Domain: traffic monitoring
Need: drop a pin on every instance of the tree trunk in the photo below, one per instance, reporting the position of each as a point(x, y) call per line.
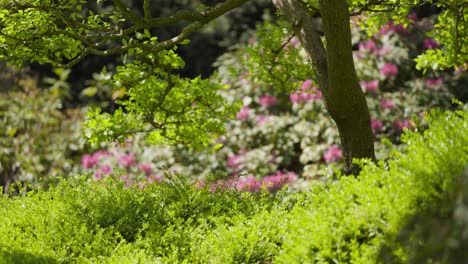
point(334, 66)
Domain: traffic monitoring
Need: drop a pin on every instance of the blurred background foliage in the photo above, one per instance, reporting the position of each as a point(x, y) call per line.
point(283, 126)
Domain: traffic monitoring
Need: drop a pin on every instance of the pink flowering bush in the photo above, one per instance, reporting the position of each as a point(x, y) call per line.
point(283, 128)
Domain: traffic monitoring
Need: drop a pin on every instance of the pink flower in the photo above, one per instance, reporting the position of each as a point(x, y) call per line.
point(263, 118)
point(316, 94)
point(429, 43)
point(399, 125)
point(389, 70)
point(88, 161)
point(221, 139)
point(153, 178)
point(368, 45)
point(243, 114)
point(249, 184)
point(413, 17)
point(307, 93)
point(306, 84)
point(101, 153)
point(294, 42)
point(391, 27)
point(126, 160)
point(295, 98)
point(145, 167)
point(370, 86)
point(268, 100)
point(97, 176)
point(234, 161)
point(106, 169)
point(332, 154)
point(376, 125)
point(275, 182)
point(387, 104)
point(383, 51)
point(434, 82)
point(462, 68)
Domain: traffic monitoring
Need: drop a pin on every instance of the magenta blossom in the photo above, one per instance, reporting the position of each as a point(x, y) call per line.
point(434, 82)
point(88, 161)
point(413, 17)
point(263, 118)
point(268, 100)
point(376, 125)
point(391, 27)
point(154, 178)
point(368, 45)
point(243, 114)
point(429, 43)
point(250, 184)
point(145, 167)
point(101, 153)
point(333, 153)
point(387, 104)
point(126, 160)
point(370, 86)
point(295, 98)
point(98, 176)
point(383, 51)
point(234, 161)
point(389, 70)
point(106, 169)
point(307, 93)
point(306, 84)
point(399, 125)
point(294, 42)
point(277, 181)
point(462, 68)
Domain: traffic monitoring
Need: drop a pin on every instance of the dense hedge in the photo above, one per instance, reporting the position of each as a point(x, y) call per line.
point(344, 221)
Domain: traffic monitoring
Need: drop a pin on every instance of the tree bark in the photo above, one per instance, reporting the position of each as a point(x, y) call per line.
point(334, 67)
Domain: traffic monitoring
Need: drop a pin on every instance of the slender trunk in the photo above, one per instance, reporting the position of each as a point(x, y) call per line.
point(334, 66)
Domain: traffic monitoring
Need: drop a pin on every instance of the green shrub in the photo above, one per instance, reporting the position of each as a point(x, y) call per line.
point(347, 222)
point(380, 213)
point(85, 221)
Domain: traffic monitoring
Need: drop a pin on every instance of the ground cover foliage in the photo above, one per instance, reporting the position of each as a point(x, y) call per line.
point(349, 220)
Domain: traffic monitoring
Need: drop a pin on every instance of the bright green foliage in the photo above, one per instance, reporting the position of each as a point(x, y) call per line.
point(274, 62)
point(36, 32)
point(166, 107)
point(346, 221)
point(451, 32)
point(154, 99)
point(88, 221)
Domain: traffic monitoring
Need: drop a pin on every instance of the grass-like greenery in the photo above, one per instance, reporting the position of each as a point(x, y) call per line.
point(350, 220)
